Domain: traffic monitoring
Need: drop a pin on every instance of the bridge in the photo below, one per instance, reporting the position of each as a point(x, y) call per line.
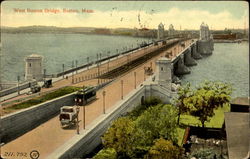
point(122, 78)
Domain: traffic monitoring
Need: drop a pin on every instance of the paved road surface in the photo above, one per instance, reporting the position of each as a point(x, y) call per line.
point(49, 136)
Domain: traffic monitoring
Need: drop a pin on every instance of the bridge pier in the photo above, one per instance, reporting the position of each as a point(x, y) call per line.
point(188, 60)
point(194, 52)
point(180, 68)
point(205, 47)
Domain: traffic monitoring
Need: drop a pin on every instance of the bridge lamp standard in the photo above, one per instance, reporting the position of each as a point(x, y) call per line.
point(108, 54)
point(87, 62)
point(83, 114)
point(103, 94)
point(63, 70)
point(144, 73)
point(135, 79)
point(18, 80)
point(121, 89)
point(77, 119)
point(76, 65)
point(72, 72)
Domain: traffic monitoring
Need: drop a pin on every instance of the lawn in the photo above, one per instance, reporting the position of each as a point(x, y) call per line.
point(180, 134)
point(52, 95)
point(216, 121)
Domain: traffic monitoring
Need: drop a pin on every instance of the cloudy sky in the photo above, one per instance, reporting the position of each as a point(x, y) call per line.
point(130, 14)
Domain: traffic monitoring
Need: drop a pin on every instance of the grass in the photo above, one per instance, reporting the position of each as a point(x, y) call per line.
point(58, 93)
point(180, 135)
point(216, 122)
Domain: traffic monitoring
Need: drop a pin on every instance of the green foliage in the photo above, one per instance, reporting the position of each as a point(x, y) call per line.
point(158, 121)
point(132, 138)
point(119, 136)
point(180, 101)
point(108, 153)
point(151, 101)
point(204, 100)
point(208, 97)
point(58, 93)
point(163, 149)
point(207, 153)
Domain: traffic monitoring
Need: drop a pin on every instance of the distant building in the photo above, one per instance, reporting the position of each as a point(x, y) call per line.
point(240, 104)
point(160, 33)
point(145, 32)
point(33, 68)
point(171, 31)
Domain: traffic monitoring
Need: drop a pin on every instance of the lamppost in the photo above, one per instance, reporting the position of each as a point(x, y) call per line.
point(121, 89)
point(117, 53)
point(144, 73)
point(76, 66)
point(77, 111)
point(72, 72)
point(84, 117)
point(103, 94)
point(108, 60)
point(98, 69)
point(63, 70)
point(44, 75)
point(135, 79)
point(18, 79)
point(88, 62)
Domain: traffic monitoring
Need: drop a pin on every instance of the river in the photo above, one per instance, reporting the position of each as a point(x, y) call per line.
point(58, 49)
point(228, 63)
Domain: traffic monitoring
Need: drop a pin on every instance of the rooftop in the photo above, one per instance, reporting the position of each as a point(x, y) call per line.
point(241, 101)
point(237, 128)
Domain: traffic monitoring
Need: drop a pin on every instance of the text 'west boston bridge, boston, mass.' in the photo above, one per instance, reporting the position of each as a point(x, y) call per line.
point(52, 10)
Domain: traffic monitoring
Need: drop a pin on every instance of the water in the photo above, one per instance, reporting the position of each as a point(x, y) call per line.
point(57, 49)
point(228, 63)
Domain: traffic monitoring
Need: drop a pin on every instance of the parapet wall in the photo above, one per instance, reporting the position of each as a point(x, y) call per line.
point(89, 139)
point(16, 124)
point(15, 89)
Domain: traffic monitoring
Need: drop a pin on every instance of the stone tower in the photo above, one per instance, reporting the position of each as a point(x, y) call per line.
point(171, 30)
point(164, 72)
point(160, 32)
point(34, 67)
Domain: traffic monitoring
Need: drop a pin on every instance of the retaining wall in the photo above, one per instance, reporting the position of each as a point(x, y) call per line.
point(14, 89)
point(90, 138)
point(16, 124)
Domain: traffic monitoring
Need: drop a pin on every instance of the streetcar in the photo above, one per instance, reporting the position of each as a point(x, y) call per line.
point(85, 95)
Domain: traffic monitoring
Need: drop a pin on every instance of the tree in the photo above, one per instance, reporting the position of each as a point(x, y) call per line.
point(119, 136)
point(182, 94)
point(208, 97)
point(106, 153)
point(156, 122)
point(151, 101)
point(163, 149)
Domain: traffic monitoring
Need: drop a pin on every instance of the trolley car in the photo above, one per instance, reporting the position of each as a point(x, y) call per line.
point(85, 95)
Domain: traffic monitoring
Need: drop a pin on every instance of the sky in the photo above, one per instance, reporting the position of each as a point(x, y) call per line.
point(130, 14)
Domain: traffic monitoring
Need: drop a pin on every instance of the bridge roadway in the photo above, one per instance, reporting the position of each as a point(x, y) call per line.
point(83, 75)
point(47, 137)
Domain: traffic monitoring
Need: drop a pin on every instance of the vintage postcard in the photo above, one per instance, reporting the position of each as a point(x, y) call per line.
point(124, 79)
